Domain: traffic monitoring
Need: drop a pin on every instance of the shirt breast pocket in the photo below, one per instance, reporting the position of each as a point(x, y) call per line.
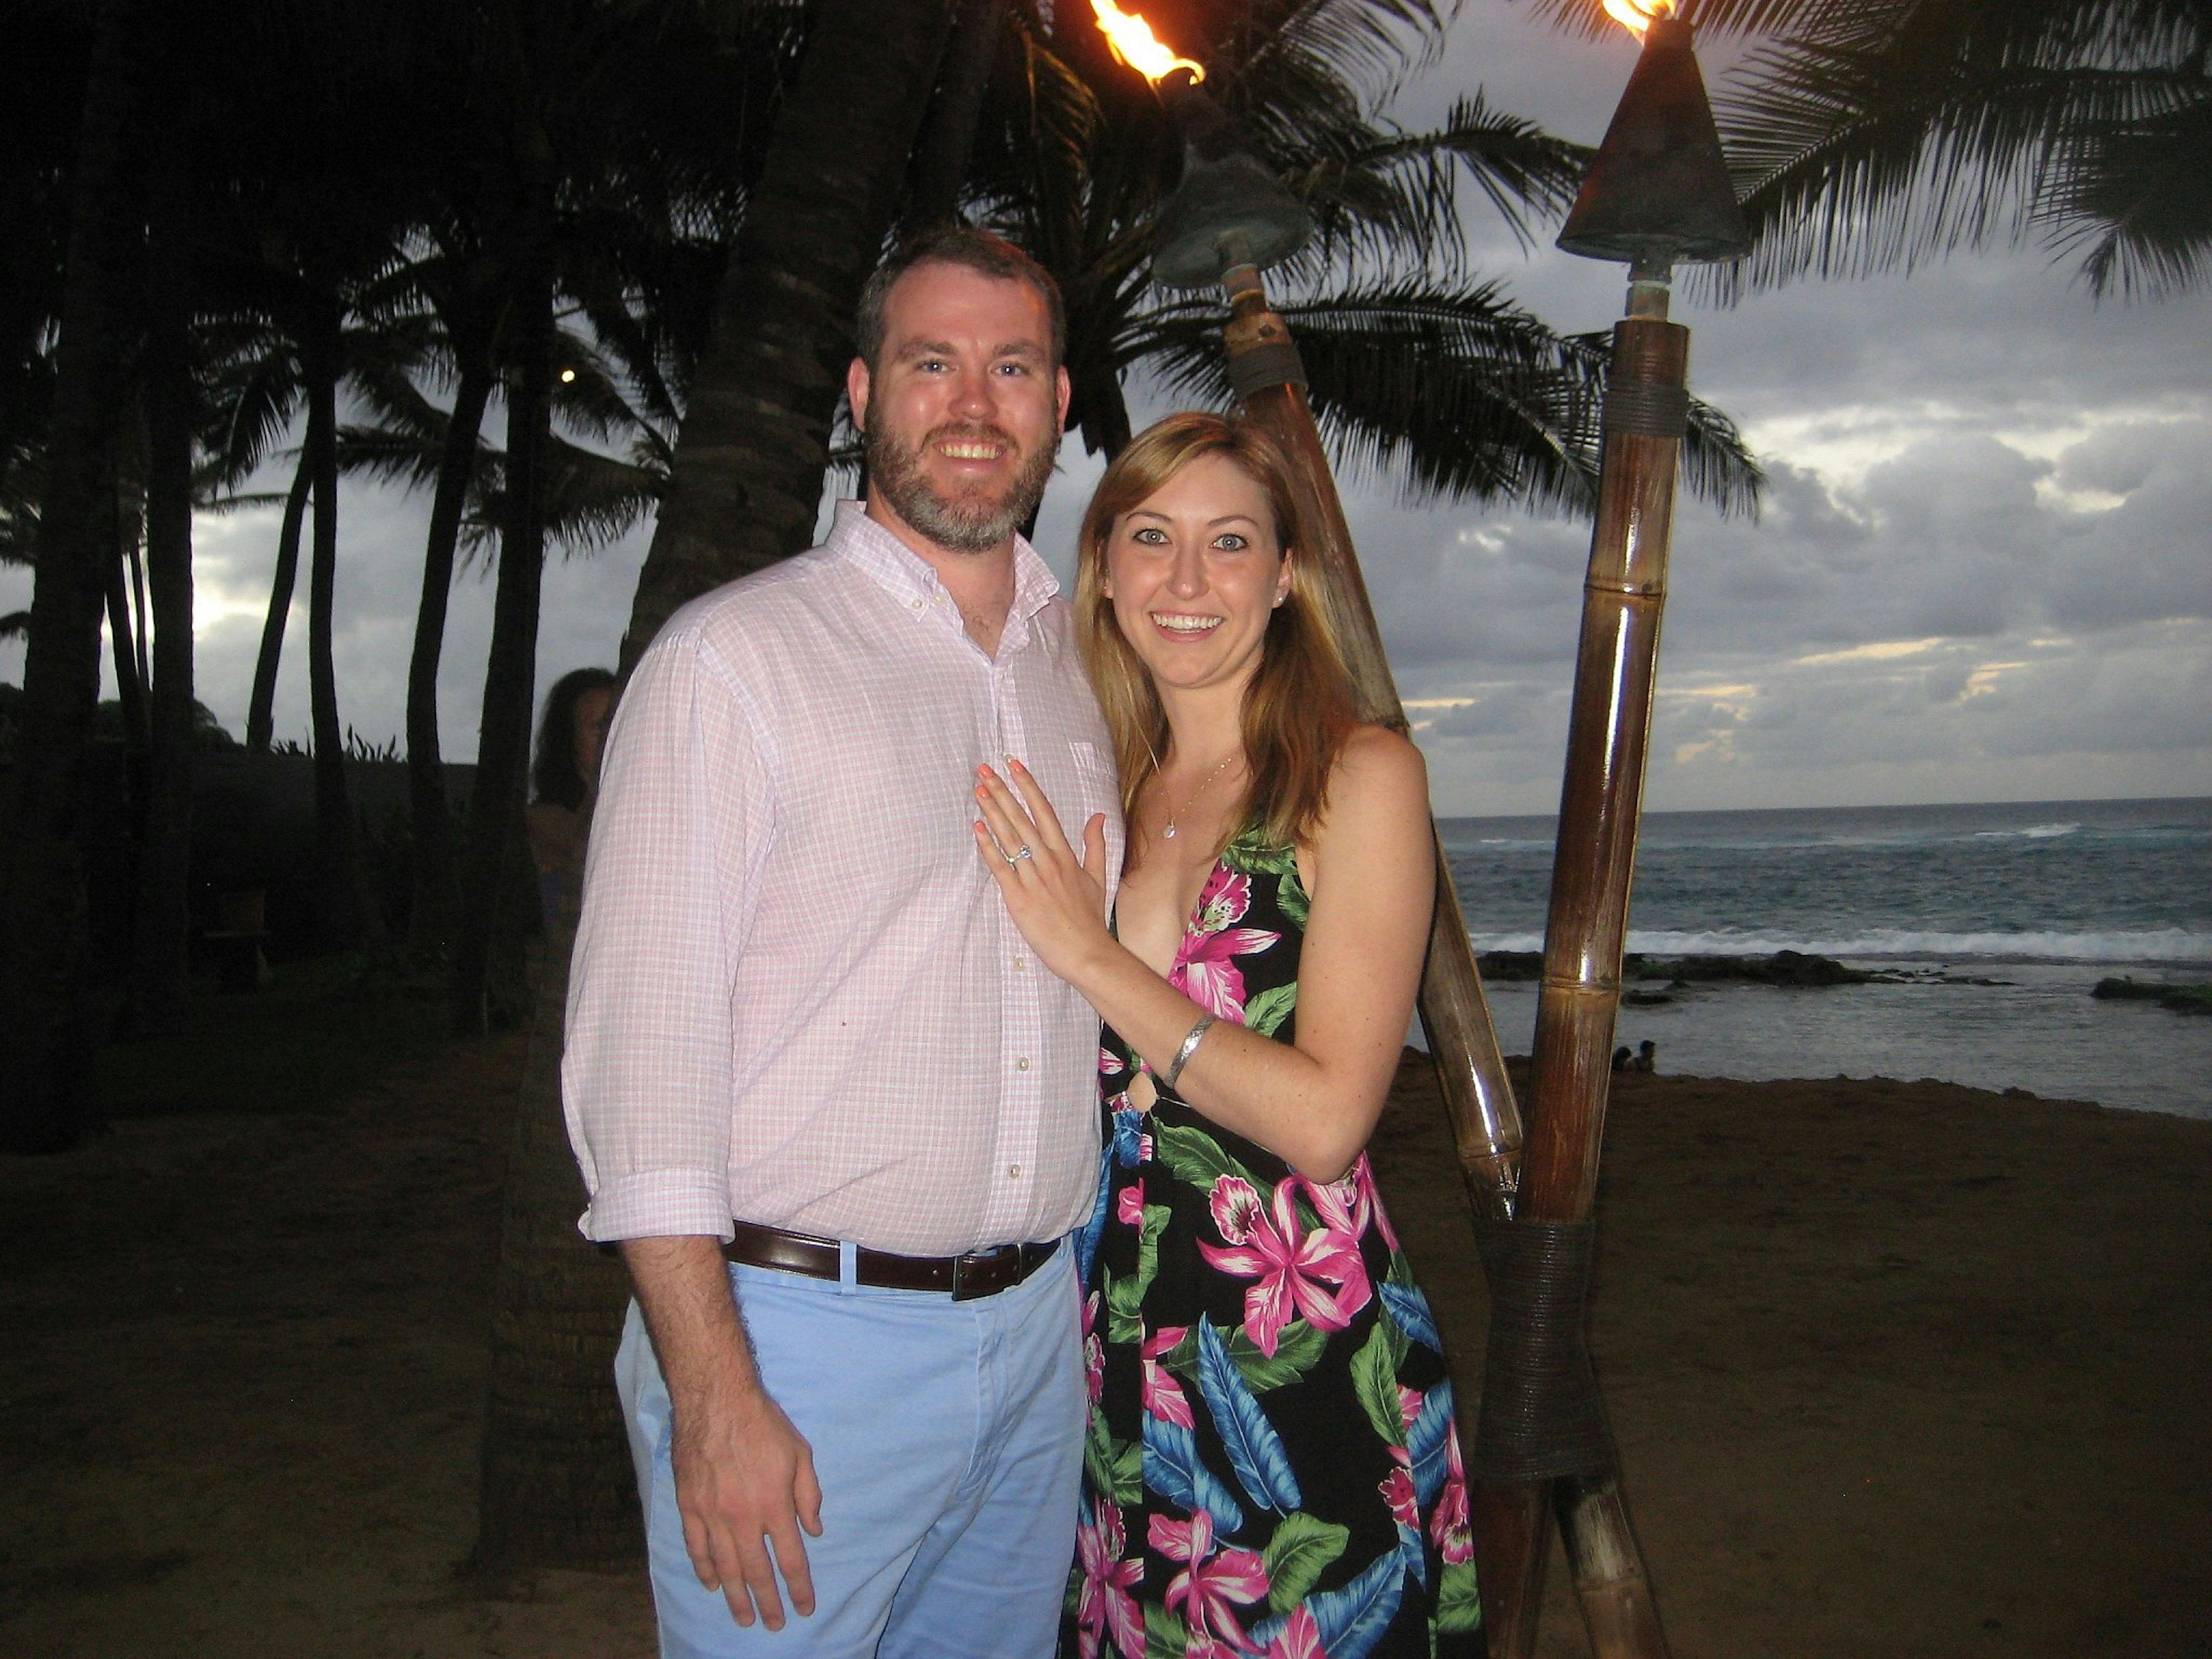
point(1098, 791)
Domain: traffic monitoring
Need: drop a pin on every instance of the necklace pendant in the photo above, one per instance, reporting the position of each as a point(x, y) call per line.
point(1168, 834)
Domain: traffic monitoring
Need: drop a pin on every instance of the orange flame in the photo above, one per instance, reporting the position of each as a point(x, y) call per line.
point(1132, 40)
point(1637, 16)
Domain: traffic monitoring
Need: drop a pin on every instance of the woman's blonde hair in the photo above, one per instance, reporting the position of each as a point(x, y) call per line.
point(1299, 708)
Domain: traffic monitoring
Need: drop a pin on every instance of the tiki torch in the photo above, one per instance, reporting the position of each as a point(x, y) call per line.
point(1657, 194)
point(1230, 218)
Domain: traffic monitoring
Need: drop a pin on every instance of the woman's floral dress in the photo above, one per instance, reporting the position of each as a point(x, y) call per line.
point(1270, 1467)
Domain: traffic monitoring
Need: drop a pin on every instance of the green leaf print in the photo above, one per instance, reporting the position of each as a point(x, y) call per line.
point(1125, 1307)
point(1252, 854)
point(1296, 1555)
point(1128, 1486)
point(1267, 1011)
point(1099, 1452)
point(1290, 898)
point(1374, 1380)
point(1164, 1635)
point(1148, 1246)
point(1459, 1601)
point(1194, 1156)
point(1298, 1346)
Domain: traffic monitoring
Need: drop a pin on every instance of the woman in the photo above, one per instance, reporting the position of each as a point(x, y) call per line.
point(1271, 1465)
point(566, 770)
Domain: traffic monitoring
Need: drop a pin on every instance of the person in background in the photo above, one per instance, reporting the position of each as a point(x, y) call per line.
point(564, 775)
point(1271, 1466)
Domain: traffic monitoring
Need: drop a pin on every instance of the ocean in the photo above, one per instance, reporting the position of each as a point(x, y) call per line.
point(2003, 916)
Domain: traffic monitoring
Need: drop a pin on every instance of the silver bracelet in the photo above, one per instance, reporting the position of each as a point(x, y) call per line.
point(1189, 1046)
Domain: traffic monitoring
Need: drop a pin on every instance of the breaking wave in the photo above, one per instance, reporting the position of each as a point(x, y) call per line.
point(2165, 944)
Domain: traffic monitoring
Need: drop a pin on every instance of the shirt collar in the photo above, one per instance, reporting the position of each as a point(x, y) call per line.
point(907, 576)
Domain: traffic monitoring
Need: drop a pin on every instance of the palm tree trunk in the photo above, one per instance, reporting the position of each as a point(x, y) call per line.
point(162, 936)
point(742, 493)
point(430, 916)
point(261, 708)
point(949, 143)
point(47, 1100)
point(341, 921)
point(482, 999)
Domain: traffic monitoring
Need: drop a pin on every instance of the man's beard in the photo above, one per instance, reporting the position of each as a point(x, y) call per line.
point(959, 524)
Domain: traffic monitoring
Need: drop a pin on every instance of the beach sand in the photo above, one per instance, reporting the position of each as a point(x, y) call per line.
point(1897, 1370)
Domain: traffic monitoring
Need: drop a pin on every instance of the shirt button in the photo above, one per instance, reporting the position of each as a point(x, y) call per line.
point(1014, 1171)
point(1022, 1064)
point(917, 604)
point(1021, 964)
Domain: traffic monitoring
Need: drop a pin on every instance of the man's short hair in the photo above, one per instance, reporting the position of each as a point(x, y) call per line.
point(956, 244)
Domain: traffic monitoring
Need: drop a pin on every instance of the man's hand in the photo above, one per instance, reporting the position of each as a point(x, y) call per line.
point(744, 1476)
point(745, 1486)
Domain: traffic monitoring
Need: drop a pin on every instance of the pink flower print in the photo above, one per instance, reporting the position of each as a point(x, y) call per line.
point(1110, 1063)
point(1129, 1209)
point(1103, 1604)
point(1448, 1526)
point(1236, 1207)
point(1223, 901)
point(1094, 1351)
point(1209, 1583)
point(1162, 1395)
point(1205, 969)
point(1362, 1174)
point(1299, 1639)
point(1295, 1271)
point(1397, 1491)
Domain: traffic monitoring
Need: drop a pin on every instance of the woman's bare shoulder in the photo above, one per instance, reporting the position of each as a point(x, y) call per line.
point(1376, 758)
point(1379, 785)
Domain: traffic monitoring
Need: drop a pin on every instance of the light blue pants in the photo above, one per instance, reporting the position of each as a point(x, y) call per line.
point(948, 1439)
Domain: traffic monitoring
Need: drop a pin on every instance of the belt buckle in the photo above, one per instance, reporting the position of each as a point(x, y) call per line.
point(961, 1292)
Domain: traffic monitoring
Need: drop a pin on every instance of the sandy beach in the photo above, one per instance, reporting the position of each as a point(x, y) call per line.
point(1897, 1369)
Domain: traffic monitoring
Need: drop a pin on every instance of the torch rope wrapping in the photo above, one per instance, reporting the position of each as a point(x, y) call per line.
point(1262, 366)
point(1541, 1416)
point(1646, 409)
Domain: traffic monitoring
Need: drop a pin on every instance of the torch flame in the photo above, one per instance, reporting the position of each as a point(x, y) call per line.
point(1133, 42)
point(1634, 15)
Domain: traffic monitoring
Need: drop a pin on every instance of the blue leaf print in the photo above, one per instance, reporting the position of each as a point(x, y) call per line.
point(1255, 1450)
point(1416, 1557)
point(1086, 1240)
point(1172, 1469)
point(1352, 1620)
point(1411, 1310)
point(1424, 1443)
point(1128, 1136)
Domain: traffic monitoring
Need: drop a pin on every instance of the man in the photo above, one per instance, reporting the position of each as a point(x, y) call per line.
point(803, 1035)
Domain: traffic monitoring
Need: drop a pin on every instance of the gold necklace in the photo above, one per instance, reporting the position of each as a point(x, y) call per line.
point(1167, 829)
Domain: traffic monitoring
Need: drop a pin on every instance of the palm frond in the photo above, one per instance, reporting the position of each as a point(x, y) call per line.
point(1453, 394)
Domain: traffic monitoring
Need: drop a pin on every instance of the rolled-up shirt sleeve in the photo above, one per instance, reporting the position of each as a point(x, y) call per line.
point(683, 816)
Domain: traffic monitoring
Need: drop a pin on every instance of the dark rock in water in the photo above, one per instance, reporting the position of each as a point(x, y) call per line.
point(2181, 999)
point(1509, 967)
point(1783, 968)
point(1647, 999)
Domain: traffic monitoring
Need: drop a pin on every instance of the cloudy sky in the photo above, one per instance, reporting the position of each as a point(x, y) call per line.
point(1984, 573)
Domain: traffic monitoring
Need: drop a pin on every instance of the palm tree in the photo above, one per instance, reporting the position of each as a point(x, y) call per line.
point(1421, 372)
point(1874, 134)
point(46, 1097)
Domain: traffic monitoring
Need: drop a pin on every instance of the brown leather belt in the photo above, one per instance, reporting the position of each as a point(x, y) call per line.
point(965, 1277)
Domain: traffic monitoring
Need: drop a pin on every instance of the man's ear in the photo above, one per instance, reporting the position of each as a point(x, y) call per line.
point(1066, 394)
point(858, 386)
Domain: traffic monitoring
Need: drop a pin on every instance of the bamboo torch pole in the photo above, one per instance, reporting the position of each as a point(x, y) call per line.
point(1455, 1014)
point(1657, 192)
point(1229, 217)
